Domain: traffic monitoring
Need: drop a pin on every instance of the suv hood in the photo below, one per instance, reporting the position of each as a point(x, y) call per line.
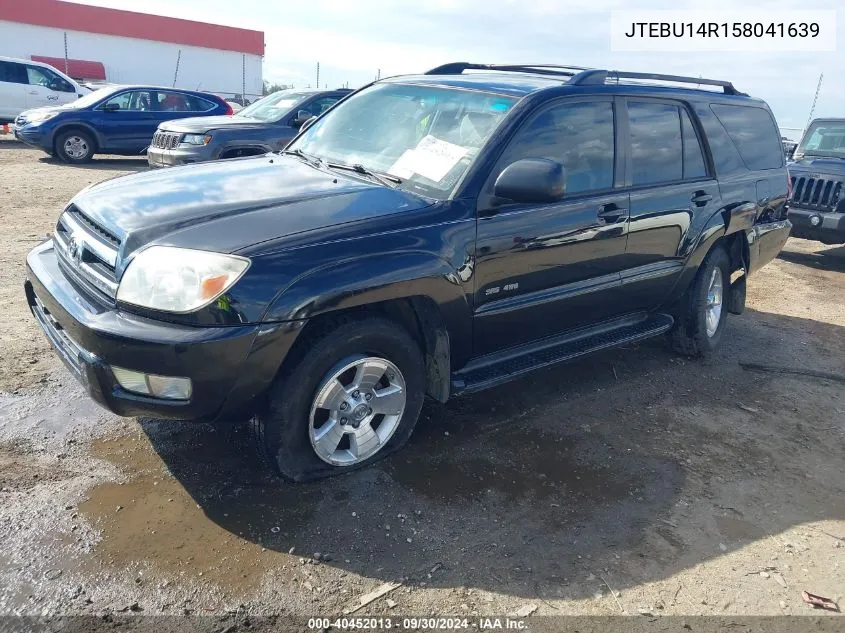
point(229, 205)
point(200, 124)
point(818, 165)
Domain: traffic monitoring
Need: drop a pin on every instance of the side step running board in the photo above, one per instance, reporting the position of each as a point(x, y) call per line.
point(490, 375)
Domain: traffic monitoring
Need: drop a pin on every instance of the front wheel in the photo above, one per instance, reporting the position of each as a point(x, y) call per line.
point(700, 320)
point(75, 147)
point(353, 398)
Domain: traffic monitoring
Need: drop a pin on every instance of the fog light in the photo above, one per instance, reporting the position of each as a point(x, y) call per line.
point(815, 220)
point(169, 387)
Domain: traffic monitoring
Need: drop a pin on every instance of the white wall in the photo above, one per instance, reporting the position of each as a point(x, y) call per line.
point(132, 61)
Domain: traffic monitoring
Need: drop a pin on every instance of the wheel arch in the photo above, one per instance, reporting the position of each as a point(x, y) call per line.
point(419, 291)
point(77, 125)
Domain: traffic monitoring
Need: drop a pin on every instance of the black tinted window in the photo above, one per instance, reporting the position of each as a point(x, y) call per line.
point(656, 148)
point(693, 156)
point(580, 135)
point(13, 72)
point(198, 104)
point(754, 134)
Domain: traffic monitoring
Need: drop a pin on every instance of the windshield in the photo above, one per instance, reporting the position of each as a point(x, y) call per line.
point(427, 136)
point(824, 138)
point(273, 107)
point(93, 97)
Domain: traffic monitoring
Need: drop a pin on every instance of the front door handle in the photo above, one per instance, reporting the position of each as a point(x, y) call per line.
point(611, 212)
point(33, 92)
point(701, 198)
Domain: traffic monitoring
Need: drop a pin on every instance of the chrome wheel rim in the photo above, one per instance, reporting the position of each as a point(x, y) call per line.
point(356, 410)
point(714, 302)
point(76, 147)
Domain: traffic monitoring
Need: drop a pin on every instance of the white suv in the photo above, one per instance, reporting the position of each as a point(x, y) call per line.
point(26, 84)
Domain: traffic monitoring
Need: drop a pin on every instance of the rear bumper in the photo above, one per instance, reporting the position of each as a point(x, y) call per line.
point(157, 157)
point(228, 366)
point(820, 226)
point(765, 241)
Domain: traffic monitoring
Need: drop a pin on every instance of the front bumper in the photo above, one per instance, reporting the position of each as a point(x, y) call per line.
point(228, 366)
point(829, 227)
point(157, 157)
point(34, 137)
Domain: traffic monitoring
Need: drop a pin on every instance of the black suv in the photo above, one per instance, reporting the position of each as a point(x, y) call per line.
point(430, 235)
point(264, 126)
point(817, 203)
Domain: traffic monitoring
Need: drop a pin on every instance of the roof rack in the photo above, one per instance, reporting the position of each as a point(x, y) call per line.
point(456, 68)
point(581, 76)
point(599, 77)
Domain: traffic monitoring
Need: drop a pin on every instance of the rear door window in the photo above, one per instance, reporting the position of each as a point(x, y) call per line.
point(754, 134)
point(656, 145)
point(198, 104)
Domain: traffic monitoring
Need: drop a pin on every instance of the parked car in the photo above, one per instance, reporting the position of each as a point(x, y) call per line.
point(817, 203)
point(429, 235)
point(114, 120)
point(788, 147)
point(267, 125)
point(26, 84)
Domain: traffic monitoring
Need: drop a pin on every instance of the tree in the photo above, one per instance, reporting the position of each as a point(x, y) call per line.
point(270, 88)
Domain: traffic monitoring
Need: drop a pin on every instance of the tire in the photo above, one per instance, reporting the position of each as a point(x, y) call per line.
point(286, 431)
point(691, 336)
point(75, 146)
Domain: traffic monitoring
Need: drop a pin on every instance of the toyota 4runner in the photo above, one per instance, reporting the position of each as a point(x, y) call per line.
point(429, 235)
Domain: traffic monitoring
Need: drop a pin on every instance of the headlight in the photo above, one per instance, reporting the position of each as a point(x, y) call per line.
point(196, 139)
point(39, 117)
point(178, 279)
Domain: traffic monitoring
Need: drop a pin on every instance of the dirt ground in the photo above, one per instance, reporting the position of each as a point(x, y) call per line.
point(631, 482)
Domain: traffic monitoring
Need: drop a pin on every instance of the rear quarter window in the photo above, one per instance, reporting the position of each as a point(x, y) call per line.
point(754, 134)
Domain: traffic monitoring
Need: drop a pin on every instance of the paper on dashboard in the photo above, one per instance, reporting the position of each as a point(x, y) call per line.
point(432, 158)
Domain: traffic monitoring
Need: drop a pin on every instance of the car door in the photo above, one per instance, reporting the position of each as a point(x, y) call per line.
point(126, 121)
point(170, 105)
point(46, 88)
point(671, 185)
point(13, 87)
point(543, 269)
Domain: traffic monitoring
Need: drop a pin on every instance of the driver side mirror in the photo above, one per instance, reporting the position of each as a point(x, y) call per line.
point(531, 180)
point(301, 117)
point(111, 107)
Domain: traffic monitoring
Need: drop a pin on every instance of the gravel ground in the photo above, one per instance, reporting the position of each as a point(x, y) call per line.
point(633, 481)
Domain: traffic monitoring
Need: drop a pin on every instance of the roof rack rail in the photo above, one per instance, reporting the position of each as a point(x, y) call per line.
point(456, 68)
point(599, 77)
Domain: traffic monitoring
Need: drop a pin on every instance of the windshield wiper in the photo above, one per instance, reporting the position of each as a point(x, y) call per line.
point(385, 179)
point(316, 161)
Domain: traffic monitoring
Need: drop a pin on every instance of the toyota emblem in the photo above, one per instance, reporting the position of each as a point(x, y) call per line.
point(74, 249)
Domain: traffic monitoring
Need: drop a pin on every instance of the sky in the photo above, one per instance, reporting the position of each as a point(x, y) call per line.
point(354, 40)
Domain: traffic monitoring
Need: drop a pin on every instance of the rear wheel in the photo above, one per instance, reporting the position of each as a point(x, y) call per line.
point(700, 319)
point(75, 146)
point(353, 398)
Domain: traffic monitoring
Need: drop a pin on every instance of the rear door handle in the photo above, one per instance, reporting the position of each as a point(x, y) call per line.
point(611, 212)
point(701, 198)
point(33, 92)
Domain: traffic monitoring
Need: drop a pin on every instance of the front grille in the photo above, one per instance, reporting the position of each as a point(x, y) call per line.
point(822, 194)
point(166, 140)
point(87, 253)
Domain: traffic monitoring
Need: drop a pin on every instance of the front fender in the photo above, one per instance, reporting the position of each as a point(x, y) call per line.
point(371, 279)
point(65, 125)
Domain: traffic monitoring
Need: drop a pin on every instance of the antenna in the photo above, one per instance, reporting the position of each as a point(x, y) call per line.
point(813, 107)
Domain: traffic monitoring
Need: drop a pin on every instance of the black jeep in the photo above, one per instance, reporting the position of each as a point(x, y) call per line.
point(430, 235)
point(817, 203)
